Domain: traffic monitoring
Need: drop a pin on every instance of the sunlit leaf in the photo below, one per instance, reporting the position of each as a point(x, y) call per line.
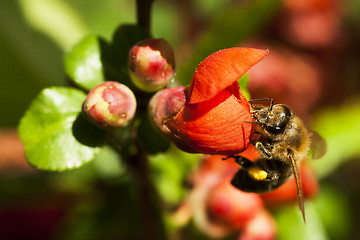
point(56, 137)
point(83, 63)
point(45, 15)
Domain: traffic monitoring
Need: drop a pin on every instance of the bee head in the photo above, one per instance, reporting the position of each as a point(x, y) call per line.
point(274, 119)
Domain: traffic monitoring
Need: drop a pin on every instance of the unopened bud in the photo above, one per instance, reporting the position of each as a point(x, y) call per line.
point(151, 64)
point(110, 104)
point(163, 107)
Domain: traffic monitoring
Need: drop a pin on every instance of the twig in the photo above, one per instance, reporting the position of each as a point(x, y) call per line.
point(143, 10)
point(138, 166)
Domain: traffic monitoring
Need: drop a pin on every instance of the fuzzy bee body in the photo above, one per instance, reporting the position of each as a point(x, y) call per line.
point(283, 142)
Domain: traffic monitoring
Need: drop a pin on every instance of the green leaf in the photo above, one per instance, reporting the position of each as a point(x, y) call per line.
point(50, 131)
point(243, 83)
point(228, 30)
point(83, 63)
point(170, 171)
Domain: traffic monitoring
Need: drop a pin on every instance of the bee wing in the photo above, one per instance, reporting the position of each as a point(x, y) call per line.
point(317, 145)
point(299, 186)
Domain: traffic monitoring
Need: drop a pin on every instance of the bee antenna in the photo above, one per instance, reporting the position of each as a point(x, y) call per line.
point(257, 123)
point(271, 104)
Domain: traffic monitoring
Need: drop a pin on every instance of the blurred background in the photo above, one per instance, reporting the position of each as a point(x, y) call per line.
point(313, 66)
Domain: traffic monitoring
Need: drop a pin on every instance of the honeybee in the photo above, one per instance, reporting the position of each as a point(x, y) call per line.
point(283, 143)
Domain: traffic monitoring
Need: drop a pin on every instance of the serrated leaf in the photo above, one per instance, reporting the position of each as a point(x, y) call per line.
point(83, 63)
point(47, 130)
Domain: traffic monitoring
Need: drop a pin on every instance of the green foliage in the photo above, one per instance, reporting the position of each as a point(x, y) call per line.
point(170, 172)
point(47, 130)
point(334, 211)
point(291, 225)
point(105, 202)
point(57, 137)
point(327, 217)
point(29, 62)
point(243, 83)
point(149, 139)
point(83, 64)
point(339, 135)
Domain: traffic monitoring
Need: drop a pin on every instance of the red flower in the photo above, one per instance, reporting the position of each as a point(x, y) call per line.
point(218, 208)
point(311, 23)
point(214, 117)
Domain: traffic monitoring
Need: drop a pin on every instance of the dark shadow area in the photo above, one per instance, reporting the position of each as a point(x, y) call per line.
point(87, 133)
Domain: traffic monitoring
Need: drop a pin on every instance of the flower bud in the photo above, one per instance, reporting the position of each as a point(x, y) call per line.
point(151, 64)
point(110, 104)
point(165, 105)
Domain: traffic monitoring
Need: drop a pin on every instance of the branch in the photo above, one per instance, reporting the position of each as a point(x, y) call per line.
point(143, 10)
point(138, 166)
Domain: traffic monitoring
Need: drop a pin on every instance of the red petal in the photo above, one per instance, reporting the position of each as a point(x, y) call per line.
point(216, 126)
point(221, 69)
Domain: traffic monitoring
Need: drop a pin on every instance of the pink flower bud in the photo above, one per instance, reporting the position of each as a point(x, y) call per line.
point(163, 106)
point(151, 64)
point(110, 104)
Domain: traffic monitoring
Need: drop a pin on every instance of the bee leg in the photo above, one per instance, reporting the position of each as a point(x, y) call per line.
point(254, 171)
point(264, 151)
point(244, 162)
point(231, 156)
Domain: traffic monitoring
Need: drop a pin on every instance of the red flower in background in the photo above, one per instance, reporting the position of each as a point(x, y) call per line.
point(311, 23)
point(218, 208)
point(213, 117)
point(288, 77)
